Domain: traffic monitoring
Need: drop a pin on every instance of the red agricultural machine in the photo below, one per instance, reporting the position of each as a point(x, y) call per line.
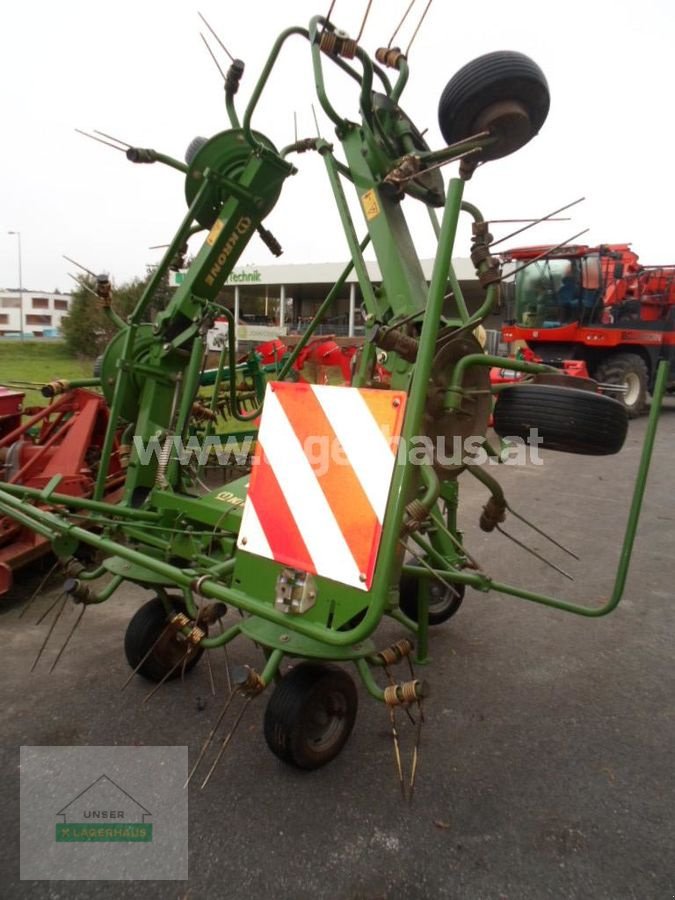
point(63, 438)
point(596, 309)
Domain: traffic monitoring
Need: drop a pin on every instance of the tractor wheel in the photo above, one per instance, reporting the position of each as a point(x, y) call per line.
point(144, 630)
point(629, 371)
point(566, 419)
point(310, 715)
point(504, 92)
point(443, 602)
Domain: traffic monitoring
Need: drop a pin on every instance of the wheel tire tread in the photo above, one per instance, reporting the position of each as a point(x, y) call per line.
point(285, 709)
point(613, 371)
point(144, 628)
point(485, 80)
point(567, 419)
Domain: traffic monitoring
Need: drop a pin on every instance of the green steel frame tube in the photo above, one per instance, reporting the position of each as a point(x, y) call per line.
point(106, 592)
point(70, 385)
point(368, 679)
point(455, 390)
point(262, 81)
point(139, 515)
point(123, 377)
point(358, 262)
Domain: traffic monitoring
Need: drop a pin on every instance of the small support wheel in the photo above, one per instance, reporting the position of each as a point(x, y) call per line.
point(504, 92)
point(443, 602)
point(144, 629)
point(565, 419)
point(310, 715)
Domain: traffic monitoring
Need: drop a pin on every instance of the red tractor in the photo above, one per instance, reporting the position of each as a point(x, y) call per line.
point(597, 306)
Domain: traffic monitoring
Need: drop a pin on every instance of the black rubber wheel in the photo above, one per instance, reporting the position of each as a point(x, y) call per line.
point(566, 419)
point(97, 367)
point(443, 602)
point(310, 715)
point(629, 371)
point(142, 632)
point(505, 92)
point(194, 146)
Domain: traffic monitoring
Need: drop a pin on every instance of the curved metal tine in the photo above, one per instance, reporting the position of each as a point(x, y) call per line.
point(168, 675)
point(227, 659)
point(210, 668)
point(226, 742)
point(67, 640)
point(222, 45)
point(397, 750)
point(212, 55)
point(542, 533)
point(533, 222)
point(38, 589)
point(111, 138)
point(81, 283)
point(417, 28)
point(100, 140)
point(330, 10)
point(398, 27)
point(207, 742)
point(534, 553)
point(365, 19)
point(48, 610)
point(415, 756)
point(79, 265)
point(545, 255)
point(425, 564)
point(49, 633)
point(147, 655)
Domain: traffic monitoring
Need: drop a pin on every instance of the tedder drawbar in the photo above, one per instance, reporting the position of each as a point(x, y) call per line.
point(342, 519)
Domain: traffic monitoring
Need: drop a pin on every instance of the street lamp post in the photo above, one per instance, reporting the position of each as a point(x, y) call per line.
point(18, 235)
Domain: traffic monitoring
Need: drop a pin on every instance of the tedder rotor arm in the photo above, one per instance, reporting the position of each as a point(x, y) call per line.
point(484, 583)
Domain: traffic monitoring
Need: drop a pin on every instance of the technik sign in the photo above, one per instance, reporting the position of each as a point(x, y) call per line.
point(245, 276)
point(249, 276)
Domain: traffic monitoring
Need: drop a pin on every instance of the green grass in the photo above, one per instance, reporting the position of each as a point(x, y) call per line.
point(39, 361)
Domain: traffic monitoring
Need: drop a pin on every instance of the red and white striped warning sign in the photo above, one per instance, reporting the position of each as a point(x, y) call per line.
point(321, 478)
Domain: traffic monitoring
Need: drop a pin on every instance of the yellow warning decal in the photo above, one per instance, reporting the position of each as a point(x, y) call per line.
point(370, 205)
point(218, 226)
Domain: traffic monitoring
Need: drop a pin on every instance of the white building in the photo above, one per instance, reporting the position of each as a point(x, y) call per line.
point(35, 314)
point(284, 297)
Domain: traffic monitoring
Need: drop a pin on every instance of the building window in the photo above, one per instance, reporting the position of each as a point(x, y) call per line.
point(61, 304)
point(38, 320)
point(4, 319)
point(40, 303)
point(10, 303)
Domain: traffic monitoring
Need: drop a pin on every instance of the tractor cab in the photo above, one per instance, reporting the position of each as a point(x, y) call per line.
point(549, 293)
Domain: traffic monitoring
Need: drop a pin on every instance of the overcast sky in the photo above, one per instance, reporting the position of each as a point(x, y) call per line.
point(138, 70)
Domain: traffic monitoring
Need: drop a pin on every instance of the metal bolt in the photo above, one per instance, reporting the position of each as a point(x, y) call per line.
point(284, 638)
point(395, 402)
point(362, 576)
point(244, 540)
